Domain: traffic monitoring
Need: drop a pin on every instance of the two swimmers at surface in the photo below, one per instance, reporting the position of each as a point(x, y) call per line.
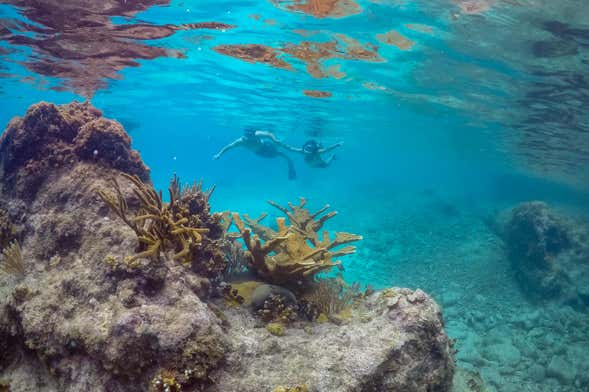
point(267, 145)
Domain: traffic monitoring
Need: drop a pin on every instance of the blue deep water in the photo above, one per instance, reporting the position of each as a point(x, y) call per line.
point(449, 112)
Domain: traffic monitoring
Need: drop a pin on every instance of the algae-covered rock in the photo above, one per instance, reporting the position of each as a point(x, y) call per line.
point(50, 137)
point(549, 252)
point(89, 322)
point(403, 347)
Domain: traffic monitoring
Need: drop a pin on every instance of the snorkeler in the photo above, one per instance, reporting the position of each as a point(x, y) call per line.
point(312, 151)
point(263, 144)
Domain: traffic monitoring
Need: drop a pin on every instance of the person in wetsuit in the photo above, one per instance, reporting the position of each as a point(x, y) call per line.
point(263, 144)
point(312, 151)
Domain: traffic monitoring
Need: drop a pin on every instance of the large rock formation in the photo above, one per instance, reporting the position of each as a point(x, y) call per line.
point(79, 319)
point(549, 252)
point(393, 341)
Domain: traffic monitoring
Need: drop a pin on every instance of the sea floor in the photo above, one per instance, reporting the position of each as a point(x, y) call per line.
point(452, 254)
point(446, 247)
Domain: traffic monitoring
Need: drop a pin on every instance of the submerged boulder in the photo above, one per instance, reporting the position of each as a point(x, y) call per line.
point(80, 319)
point(549, 252)
point(392, 341)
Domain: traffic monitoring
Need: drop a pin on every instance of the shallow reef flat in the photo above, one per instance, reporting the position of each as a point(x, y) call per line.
point(107, 287)
point(510, 278)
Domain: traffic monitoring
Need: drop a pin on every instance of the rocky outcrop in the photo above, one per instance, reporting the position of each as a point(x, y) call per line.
point(49, 137)
point(549, 252)
point(82, 320)
point(392, 341)
point(89, 324)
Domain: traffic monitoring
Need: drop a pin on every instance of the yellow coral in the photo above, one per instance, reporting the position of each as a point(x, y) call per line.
point(294, 252)
point(155, 224)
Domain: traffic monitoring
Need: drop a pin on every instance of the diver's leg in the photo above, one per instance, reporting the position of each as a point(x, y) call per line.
point(292, 174)
point(328, 161)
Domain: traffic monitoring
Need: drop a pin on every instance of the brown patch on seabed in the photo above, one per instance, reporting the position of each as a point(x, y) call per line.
point(76, 41)
point(317, 93)
point(394, 38)
point(254, 53)
point(321, 8)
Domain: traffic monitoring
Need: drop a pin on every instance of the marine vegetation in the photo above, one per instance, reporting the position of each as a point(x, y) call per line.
point(332, 295)
point(184, 225)
point(12, 260)
point(294, 253)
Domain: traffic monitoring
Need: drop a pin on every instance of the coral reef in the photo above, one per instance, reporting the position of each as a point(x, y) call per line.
point(294, 253)
point(83, 319)
point(548, 251)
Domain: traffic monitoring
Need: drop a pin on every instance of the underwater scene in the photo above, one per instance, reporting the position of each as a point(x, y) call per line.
point(294, 195)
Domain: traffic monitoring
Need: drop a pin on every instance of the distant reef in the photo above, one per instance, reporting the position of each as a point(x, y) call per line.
point(106, 286)
point(549, 252)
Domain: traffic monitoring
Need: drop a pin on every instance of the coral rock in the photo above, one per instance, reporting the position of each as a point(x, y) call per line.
point(549, 252)
point(51, 136)
point(382, 348)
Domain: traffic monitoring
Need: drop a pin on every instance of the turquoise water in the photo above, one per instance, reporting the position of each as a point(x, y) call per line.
point(464, 109)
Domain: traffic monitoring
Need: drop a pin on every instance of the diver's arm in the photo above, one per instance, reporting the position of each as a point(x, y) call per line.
point(336, 145)
point(269, 135)
point(228, 147)
point(289, 147)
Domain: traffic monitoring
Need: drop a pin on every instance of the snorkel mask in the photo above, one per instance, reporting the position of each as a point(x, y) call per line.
point(311, 147)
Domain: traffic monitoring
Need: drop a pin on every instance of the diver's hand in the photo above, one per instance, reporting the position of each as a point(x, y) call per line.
point(216, 156)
